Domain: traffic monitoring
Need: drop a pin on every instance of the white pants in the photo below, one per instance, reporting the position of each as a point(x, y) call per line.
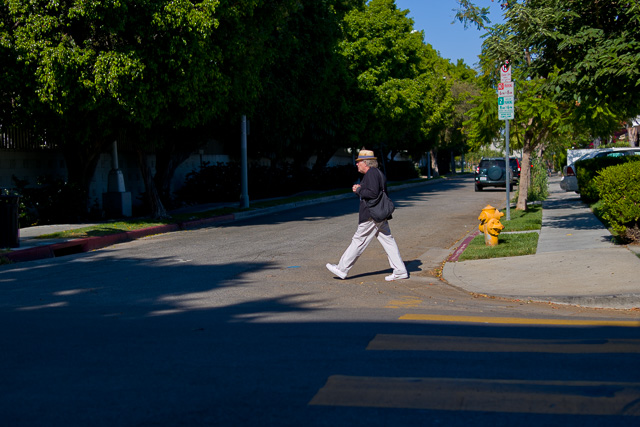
point(364, 235)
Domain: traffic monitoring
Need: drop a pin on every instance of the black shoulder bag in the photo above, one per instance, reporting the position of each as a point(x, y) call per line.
point(382, 206)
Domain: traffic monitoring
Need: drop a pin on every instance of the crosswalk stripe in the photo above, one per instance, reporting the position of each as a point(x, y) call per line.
point(486, 395)
point(501, 345)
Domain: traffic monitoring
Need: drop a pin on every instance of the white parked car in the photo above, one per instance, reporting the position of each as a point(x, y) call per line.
point(569, 181)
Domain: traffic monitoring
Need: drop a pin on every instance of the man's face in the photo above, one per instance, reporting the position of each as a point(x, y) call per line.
point(362, 166)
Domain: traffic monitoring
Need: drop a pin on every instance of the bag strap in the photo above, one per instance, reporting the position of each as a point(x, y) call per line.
point(381, 178)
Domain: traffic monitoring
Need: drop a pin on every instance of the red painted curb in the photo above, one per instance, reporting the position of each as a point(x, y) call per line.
point(30, 254)
point(87, 244)
point(456, 254)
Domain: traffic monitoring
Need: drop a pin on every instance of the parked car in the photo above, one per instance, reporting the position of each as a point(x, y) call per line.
point(490, 172)
point(569, 181)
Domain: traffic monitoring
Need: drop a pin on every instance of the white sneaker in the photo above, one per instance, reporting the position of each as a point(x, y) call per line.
point(335, 270)
point(393, 277)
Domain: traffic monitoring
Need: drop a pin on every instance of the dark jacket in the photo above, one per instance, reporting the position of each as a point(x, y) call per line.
point(371, 186)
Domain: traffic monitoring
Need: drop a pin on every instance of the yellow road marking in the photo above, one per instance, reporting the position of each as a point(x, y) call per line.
point(386, 342)
point(487, 395)
point(519, 320)
point(404, 302)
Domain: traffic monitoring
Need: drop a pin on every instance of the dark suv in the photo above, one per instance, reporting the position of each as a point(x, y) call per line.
point(491, 172)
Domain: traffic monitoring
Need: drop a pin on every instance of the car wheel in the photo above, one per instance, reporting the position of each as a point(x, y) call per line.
point(511, 187)
point(478, 187)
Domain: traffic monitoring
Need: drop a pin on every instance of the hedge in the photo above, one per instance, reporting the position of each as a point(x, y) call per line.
point(619, 191)
point(587, 170)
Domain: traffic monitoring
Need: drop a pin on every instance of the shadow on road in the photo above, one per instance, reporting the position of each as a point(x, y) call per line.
point(142, 349)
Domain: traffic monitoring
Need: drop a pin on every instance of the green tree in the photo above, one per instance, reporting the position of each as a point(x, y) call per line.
point(141, 72)
point(540, 116)
point(586, 51)
point(591, 56)
point(96, 68)
point(464, 89)
point(403, 94)
point(305, 106)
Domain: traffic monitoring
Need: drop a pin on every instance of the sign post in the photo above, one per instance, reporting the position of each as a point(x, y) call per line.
point(506, 107)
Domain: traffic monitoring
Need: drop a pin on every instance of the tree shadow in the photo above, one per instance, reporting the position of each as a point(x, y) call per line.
point(139, 341)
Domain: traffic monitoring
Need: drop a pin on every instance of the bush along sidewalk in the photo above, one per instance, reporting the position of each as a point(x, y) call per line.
point(618, 188)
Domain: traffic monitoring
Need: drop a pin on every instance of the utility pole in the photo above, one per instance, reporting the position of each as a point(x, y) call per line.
point(244, 181)
point(506, 106)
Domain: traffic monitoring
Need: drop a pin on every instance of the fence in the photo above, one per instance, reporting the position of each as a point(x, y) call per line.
point(24, 140)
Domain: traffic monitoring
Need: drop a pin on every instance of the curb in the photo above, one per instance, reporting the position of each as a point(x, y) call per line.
point(460, 249)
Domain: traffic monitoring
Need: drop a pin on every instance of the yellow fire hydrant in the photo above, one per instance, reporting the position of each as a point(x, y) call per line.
point(490, 224)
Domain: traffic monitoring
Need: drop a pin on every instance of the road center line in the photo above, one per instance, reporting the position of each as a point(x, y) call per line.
point(519, 320)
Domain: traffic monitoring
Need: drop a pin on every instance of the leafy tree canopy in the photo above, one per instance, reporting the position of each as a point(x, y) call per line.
point(400, 76)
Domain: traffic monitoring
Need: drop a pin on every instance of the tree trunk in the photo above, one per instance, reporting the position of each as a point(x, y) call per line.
point(152, 197)
point(435, 172)
point(525, 172)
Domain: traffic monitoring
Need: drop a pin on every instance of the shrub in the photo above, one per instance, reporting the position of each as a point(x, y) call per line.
point(588, 169)
point(619, 191)
point(539, 188)
point(50, 201)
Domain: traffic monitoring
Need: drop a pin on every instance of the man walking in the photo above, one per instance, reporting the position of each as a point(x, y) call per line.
point(373, 183)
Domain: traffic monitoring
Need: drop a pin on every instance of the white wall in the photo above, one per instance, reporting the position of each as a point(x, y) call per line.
point(28, 165)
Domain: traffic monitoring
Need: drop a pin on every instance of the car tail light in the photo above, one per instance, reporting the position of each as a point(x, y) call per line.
point(570, 171)
point(478, 169)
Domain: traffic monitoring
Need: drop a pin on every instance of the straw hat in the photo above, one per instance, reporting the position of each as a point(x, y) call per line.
point(365, 155)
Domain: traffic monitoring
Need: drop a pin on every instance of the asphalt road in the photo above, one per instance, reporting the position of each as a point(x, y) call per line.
point(241, 324)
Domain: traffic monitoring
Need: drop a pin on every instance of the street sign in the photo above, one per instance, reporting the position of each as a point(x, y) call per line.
point(505, 89)
point(505, 73)
point(505, 107)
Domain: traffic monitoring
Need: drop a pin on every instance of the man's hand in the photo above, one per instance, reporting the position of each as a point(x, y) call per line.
point(355, 188)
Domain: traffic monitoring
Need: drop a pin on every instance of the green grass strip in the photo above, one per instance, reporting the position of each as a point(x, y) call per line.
point(531, 219)
point(103, 229)
point(508, 245)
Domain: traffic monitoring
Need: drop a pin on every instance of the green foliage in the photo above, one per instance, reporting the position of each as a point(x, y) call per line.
point(587, 170)
point(403, 97)
point(293, 118)
point(470, 14)
point(474, 157)
point(539, 187)
point(50, 201)
point(585, 53)
point(316, 75)
point(483, 126)
point(619, 191)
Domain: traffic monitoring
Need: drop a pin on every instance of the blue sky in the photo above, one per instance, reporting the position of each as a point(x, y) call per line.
point(435, 17)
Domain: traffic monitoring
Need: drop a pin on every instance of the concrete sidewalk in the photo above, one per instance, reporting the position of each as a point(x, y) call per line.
point(575, 263)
